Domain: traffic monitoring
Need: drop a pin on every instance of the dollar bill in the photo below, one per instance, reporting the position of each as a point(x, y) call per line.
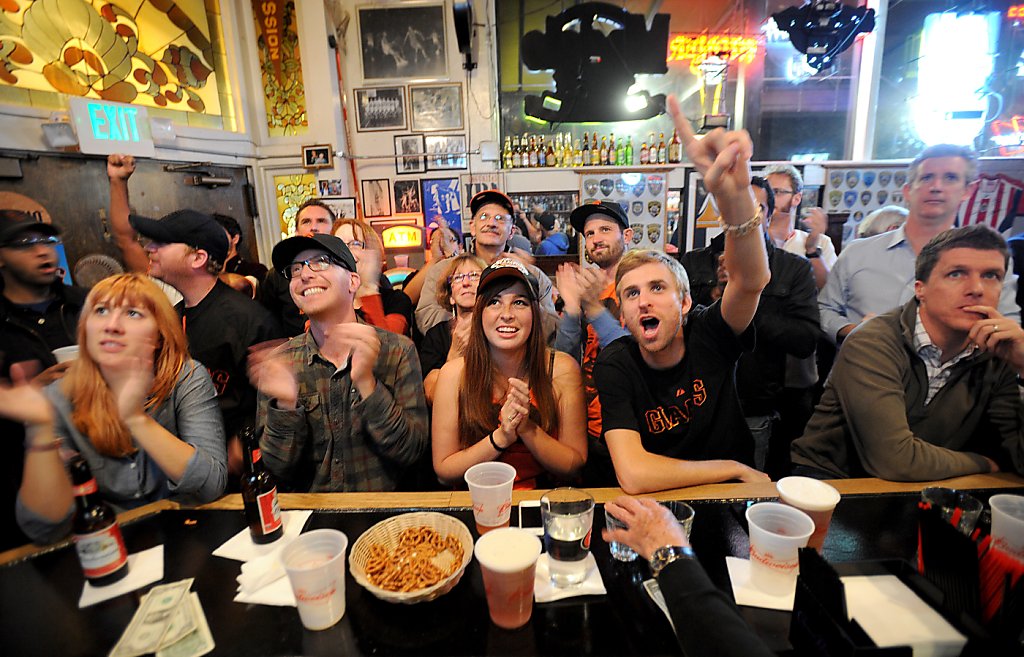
point(152, 619)
point(183, 621)
point(197, 642)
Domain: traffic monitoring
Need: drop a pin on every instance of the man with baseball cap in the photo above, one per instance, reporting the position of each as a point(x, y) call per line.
point(342, 404)
point(38, 313)
point(187, 250)
point(590, 317)
point(553, 241)
point(491, 228)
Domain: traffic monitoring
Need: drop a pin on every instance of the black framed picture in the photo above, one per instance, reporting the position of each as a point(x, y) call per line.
point(407, 197)
point(380, 108)
point(406, 148)
point(403, 41)
point(435, 107)
point(377, 198)
point(344, 207)
point(445, 152)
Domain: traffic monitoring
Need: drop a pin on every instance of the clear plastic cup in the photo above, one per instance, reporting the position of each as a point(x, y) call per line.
point(815, 498)
point(508, 562)
point(64, 354)
point(1008, 524)
point(948, 500)
point(568, 521)
point(619, 551)
point(315, 563)
point(777, 532)
point(684, 514)
point(490, 487)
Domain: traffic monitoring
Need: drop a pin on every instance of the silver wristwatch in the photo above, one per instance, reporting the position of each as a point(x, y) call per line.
point(665, 555)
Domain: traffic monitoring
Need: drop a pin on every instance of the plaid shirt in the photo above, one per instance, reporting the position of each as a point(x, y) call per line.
point(938, 372)
point(336, 441)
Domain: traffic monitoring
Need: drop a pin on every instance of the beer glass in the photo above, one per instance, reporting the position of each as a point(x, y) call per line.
point(568, 519)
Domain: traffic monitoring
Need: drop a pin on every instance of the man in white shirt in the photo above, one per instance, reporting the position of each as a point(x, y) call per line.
point(813, 244)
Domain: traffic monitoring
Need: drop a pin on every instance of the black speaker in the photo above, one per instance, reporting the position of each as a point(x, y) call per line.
point(462, 14)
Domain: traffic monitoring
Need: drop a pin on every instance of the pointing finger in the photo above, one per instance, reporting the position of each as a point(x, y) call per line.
point(681, 122)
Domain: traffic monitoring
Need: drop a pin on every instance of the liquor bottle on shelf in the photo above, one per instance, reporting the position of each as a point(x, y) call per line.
point(611, 150)
point(534, 156)
point(551, 156)
point(506, 154)
point(569, 154)
point(603, 153)
point(595, 152)
point(675, 148)
point(629, 152)
point(94, 529)
point(259, 493)
point(586, 150)
point(516, 155)
point(644, 153)
point(558, 151)
point(662, 151)
point(542, 154)
point(620, 153)
point(577, 154)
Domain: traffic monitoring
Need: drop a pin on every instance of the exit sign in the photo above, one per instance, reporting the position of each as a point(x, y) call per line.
point(104, 127)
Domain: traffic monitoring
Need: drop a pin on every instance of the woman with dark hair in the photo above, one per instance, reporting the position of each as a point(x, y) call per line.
point(447, 341)
point(509, 398)
point(376, 302)
point(134, 405)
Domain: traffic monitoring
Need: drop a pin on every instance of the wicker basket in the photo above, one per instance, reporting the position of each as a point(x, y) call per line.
point(386, 533)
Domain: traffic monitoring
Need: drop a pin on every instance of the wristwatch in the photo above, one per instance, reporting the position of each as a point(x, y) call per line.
point(666, 554)
point(816, 253)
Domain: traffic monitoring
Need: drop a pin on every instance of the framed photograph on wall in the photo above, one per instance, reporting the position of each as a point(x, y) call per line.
point(333, 187)
point(407, 197)
point(318, 156)
point(436, 107)
point(412, 164)
point(380, 108)
point(344, 207)
point(403, 41)
point(445, 152)
point(441, 197)
point(377, 198)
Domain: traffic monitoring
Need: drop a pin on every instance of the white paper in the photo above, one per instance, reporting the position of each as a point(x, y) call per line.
point(893, 615)
point(241, 548)
point(276, 594)
point(144, 568)
point(545, 591)
point(749, 596)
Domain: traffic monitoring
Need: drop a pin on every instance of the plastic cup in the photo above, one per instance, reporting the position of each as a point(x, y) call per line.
point(508, 561)
point(1008, 524)
point(777, 532)
point(684, 513)
point(568, 521)
point(64, 354)
point(948, 500)
point(815, 498)
point(315, 563)
point(490, 487)
point(619, 551)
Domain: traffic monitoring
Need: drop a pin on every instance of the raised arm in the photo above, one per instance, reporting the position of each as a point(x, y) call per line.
point(119, 169)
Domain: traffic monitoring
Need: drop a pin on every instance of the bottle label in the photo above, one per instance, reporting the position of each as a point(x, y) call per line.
point(269, 510)
point(256, 455)
point(88, 488)
point(102, 552)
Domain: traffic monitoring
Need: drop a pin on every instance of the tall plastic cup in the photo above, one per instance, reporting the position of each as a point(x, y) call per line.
point(815, 498)
point(490, 487)
point(1008, 524)
point(777, 532)
point(508, 561)
point(315, 563)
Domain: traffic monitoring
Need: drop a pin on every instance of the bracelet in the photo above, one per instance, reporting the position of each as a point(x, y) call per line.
point(739, 230)
point(494, 443)
point(48, 447)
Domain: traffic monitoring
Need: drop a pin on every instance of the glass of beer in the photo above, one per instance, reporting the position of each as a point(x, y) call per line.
point(490, 488)
point(508, 561)
point(568, 519)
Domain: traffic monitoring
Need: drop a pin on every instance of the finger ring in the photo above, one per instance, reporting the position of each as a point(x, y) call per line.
point(512, 418)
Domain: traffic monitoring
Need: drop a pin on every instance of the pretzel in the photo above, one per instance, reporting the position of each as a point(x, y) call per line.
point(412, 566)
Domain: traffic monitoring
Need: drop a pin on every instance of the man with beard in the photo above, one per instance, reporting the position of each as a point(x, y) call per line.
point(38, 313)
point(590, 317)
point(669, 408)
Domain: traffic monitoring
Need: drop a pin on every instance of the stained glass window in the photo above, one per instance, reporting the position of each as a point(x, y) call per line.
point(292, 191)
point(277, 42)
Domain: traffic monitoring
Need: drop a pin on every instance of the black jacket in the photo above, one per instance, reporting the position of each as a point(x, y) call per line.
point(786, 322)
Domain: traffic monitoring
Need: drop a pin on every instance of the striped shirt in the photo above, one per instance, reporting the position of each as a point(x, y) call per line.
point(938, 372)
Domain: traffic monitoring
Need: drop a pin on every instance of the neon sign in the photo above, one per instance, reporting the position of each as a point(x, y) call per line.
point(698, 47)
point(106, 127)
point(1009, 136)
point(1015, 12)
point(402, 237)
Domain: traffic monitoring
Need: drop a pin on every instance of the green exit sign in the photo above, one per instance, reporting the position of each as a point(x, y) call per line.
point(104, 127)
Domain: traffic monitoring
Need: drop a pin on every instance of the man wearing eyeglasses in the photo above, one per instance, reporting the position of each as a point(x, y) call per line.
point(187, 250)
point(38, 313)
point(491, 228)
point(342, 404)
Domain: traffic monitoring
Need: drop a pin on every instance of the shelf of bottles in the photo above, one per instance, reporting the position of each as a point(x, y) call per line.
point(561, 150)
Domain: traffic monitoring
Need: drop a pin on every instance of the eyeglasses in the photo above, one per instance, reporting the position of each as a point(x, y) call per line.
point(317, 264)
point(782, 192)
point(355, 244)
point(499, 218)
point(456, 279)
point(29, 242)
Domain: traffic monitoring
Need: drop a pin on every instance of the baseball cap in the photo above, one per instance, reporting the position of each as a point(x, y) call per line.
point(546, 220)
point(505, 268)
point(579, 216)
point(489, 196)
point(286, 250)
point(196, 229)
point(13, 222)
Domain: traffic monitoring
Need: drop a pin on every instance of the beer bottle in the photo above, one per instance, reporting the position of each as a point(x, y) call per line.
point(595, 152)
point(94, 529)
point(603, 153)
point(629, 152)
point(662, 151)
point(675, 148)
point(542, 154)
point(569, 154)
point(577, 154)
point(586, 150)
point(506, 154)
point(516, 155)
point(259, 493)
point(534, 156)
point(644, 153)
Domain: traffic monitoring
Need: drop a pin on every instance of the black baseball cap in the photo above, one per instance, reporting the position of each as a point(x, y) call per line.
point(546, 220)
point(286, 250)
point(191, 227)
point(13, 222)
point(579, 216)
point(489, 196)
point(504, 268)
